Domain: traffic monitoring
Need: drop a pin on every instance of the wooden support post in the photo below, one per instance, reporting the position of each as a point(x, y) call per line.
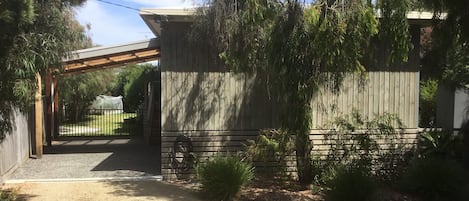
point(48, 103)
point(38, 116)
point(55, 113)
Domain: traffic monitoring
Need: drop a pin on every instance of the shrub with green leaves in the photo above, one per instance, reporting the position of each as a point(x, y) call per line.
point(441, 144)
point(131, 84)
point(7, 195)
point(427, 104)
point(223, 176)
point(354, 140)
point(350, 184)
point(269, 151)
point(434, 179)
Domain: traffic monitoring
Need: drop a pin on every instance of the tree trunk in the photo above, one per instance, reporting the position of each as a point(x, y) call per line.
point(303, 158)
point(298, 123)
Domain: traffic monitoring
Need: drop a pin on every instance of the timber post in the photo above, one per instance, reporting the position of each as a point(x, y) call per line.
point(48, 102)
point(55, 113)
point(38, 117)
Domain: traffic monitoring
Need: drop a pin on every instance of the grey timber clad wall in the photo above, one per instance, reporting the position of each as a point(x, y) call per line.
point(219, 110)
point(15, 147)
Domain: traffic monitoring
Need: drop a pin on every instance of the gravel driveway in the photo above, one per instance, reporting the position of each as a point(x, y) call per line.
point(92, 159)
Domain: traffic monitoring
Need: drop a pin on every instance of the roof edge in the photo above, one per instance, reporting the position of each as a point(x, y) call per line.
point(106, 50)
point(154, 16)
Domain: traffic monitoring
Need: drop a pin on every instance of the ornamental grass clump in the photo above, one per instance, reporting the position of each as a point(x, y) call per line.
point(223, 176)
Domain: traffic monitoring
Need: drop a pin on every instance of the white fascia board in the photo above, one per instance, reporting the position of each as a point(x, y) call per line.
point(115, 49)
point(153, 17)
point(418, 15)
point(168, 12)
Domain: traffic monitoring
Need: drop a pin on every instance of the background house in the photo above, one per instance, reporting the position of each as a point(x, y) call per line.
point(452, 107)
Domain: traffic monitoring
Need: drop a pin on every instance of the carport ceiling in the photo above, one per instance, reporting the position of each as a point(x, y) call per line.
point(99, 58)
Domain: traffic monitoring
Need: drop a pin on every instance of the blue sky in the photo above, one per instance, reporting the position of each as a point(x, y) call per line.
point(111, 25)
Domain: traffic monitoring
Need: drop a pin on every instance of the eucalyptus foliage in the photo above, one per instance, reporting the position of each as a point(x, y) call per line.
point(35, 35)
point(299, 47)
point(448, 59)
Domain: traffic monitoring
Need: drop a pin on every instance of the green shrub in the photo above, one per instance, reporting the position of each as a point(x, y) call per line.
point(427, 106)
point(434, 179)
point(269, 151)
point(441, 144)
point(223, 177)
point(349, 184)
point(131, 84)
point(7, 195)
point(353, 141)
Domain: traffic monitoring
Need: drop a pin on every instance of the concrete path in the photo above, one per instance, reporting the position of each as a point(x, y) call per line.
point(92, 159)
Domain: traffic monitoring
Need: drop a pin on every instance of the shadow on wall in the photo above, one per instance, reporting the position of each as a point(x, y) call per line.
point(216, 111)
point(217, 102)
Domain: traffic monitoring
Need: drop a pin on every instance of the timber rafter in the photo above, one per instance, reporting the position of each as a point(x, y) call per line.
point(99, 58)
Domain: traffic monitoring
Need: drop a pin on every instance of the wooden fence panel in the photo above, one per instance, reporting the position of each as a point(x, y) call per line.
point(14, 149)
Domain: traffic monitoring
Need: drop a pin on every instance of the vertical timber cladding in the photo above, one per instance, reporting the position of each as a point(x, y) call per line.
point(216, 109)
point(219, 110)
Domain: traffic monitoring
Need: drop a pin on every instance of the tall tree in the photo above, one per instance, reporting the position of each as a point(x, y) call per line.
point(131, 84)
point(35, 35)
point(448, 57)
point(300, 48)
point(79, 91)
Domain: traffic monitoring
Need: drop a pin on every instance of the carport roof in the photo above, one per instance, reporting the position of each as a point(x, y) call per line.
point(97, 58)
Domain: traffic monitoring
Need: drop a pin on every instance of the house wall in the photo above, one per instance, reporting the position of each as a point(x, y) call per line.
point(14, 149)
point(219, 110)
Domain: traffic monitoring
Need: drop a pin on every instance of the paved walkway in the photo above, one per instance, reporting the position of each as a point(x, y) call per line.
point(92, 159)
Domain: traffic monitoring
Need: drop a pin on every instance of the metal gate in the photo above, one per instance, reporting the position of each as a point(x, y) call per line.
point(102, 122)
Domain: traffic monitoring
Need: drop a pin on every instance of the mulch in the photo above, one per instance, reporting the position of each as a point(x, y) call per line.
point(267, 190)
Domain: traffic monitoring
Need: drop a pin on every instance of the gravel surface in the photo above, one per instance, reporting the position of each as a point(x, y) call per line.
point(92, 158)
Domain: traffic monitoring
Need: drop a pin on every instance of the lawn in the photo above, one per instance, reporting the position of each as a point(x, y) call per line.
point(95, 125)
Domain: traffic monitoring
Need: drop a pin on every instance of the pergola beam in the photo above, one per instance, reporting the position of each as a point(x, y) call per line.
point(70, 70)
point(113, 56)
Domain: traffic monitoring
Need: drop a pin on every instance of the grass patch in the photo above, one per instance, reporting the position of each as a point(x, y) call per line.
point(106, 124)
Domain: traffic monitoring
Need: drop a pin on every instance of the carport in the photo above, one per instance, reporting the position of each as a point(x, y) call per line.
point(92, 157)
point(83, 61)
